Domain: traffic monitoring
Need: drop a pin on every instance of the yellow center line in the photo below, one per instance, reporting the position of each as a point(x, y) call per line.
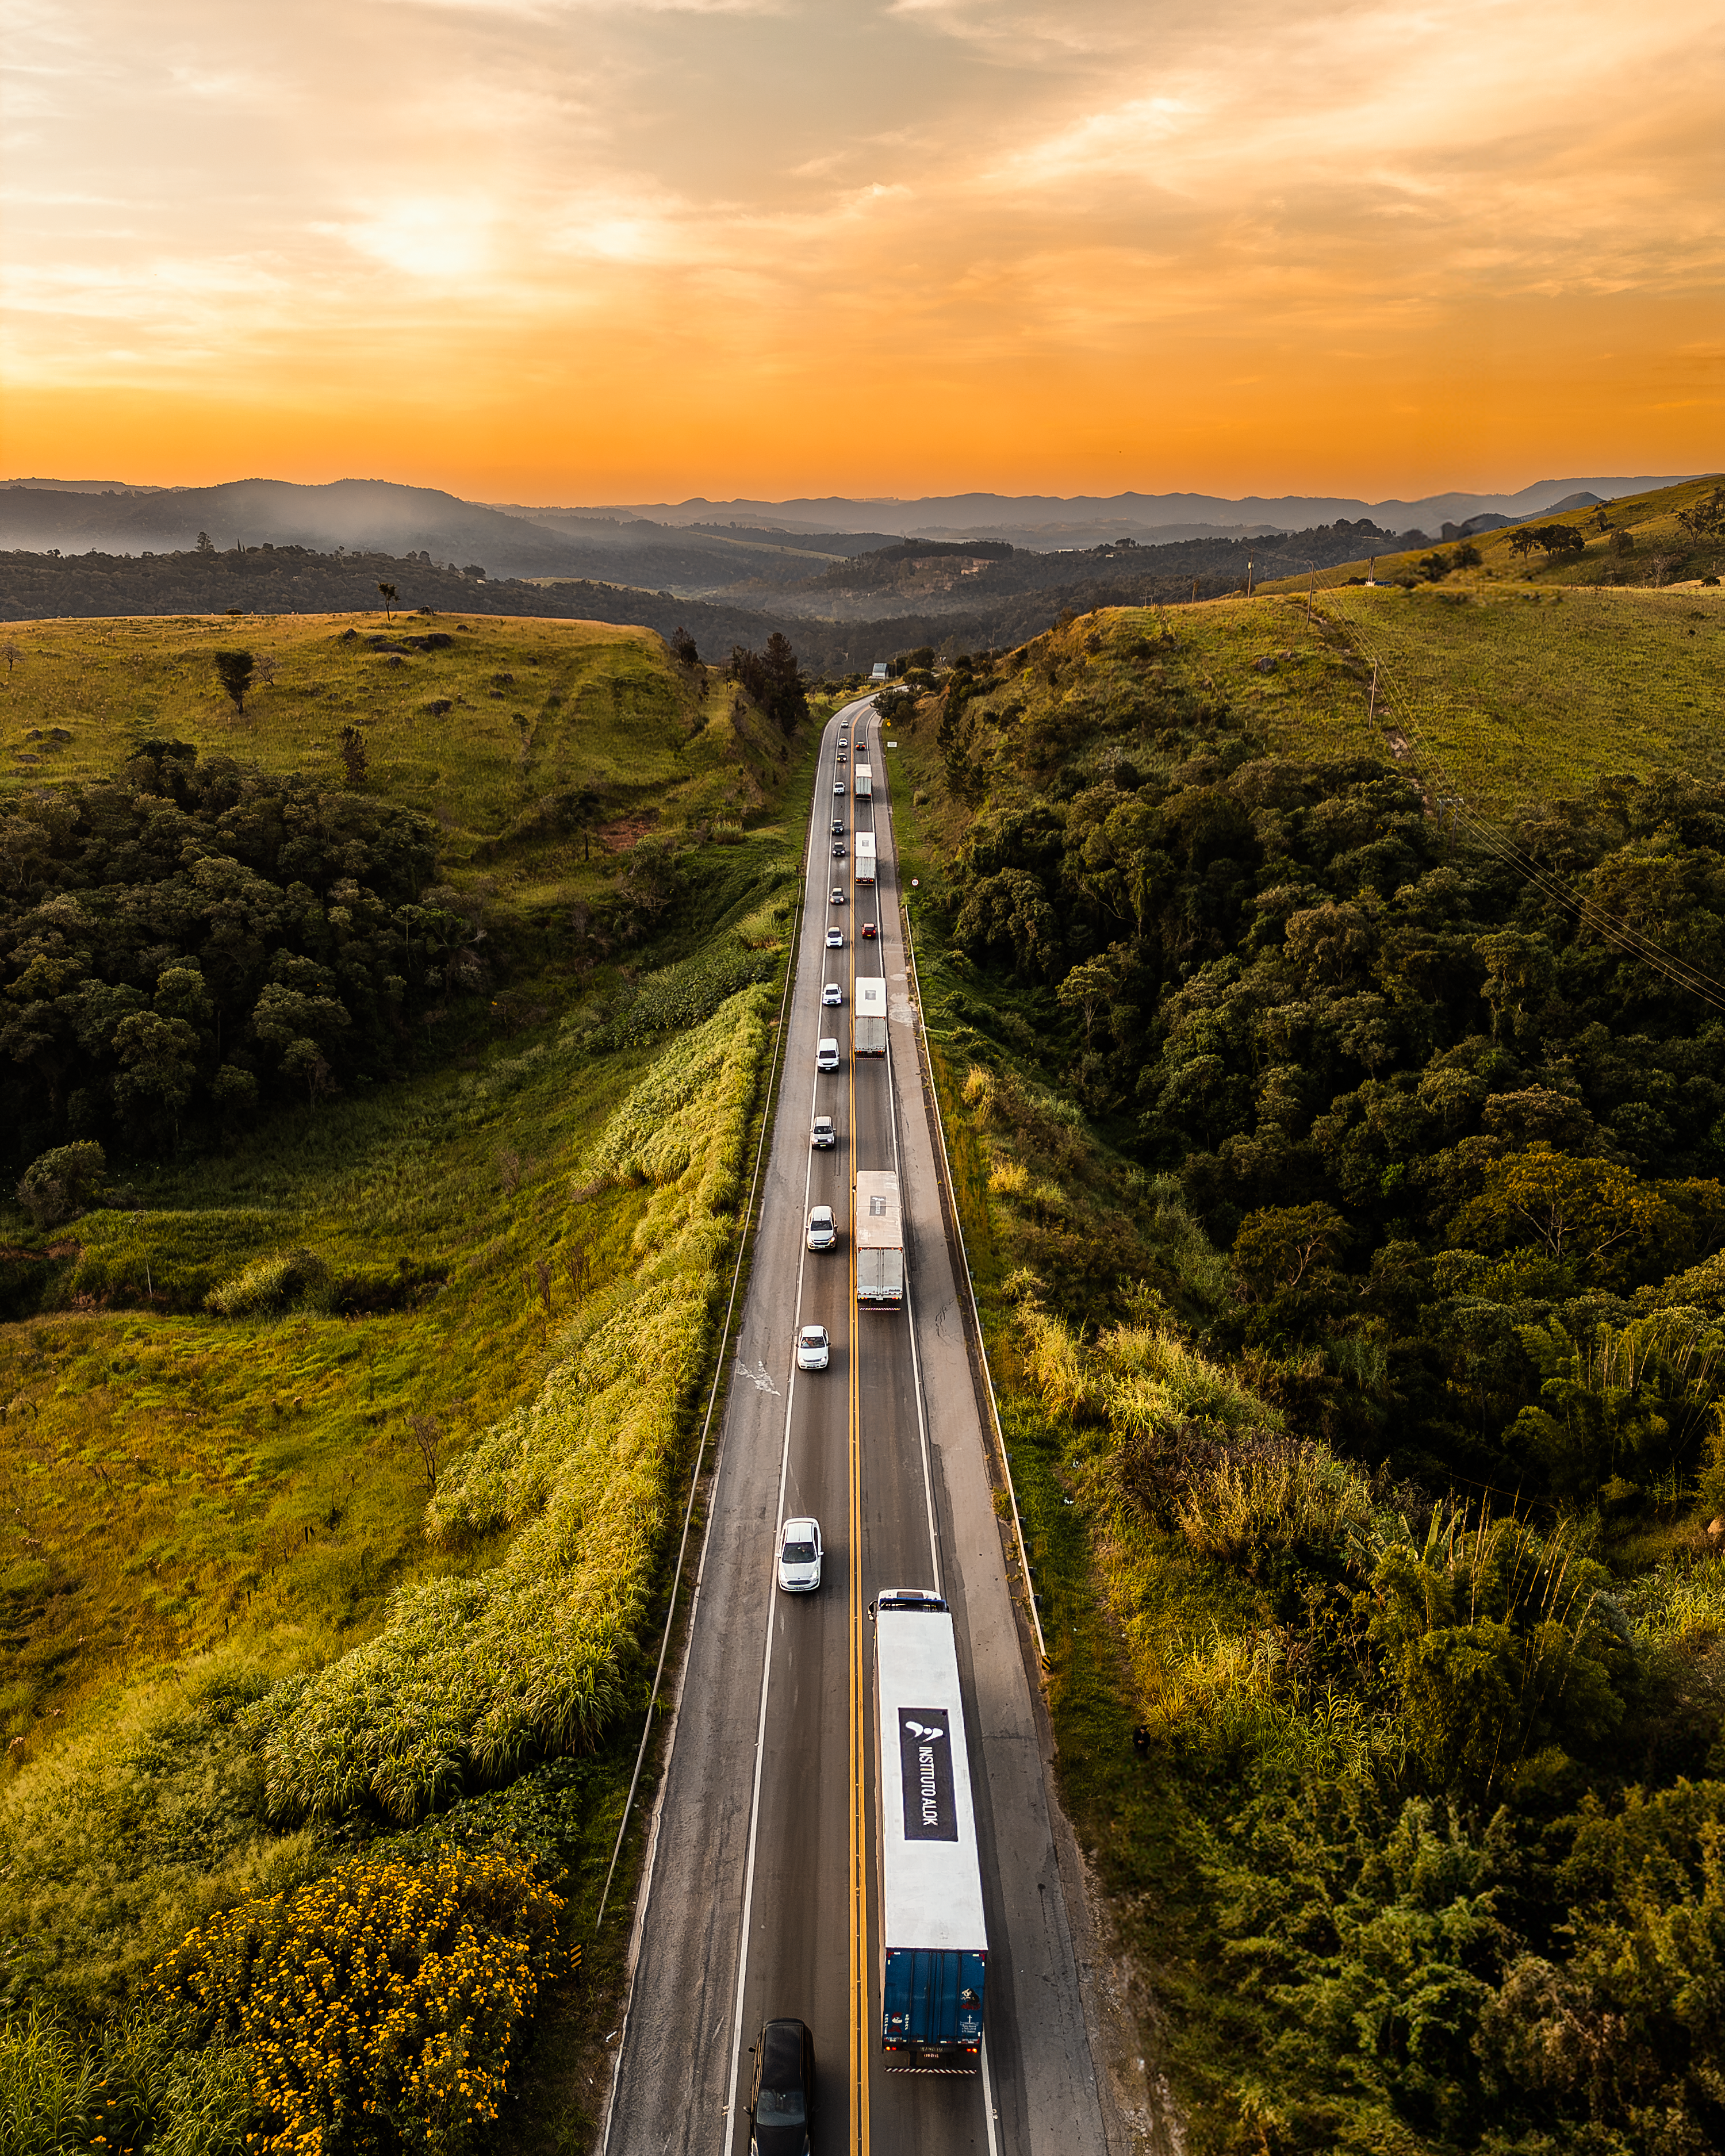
point(859, 2033)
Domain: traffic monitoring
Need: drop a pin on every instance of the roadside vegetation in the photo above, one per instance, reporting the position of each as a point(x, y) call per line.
point(345, 1423)
point(1343, 1181)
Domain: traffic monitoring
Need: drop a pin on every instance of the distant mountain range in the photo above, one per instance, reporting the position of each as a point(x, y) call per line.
point(691, 547)
point(825, 573)
point(1084, 519)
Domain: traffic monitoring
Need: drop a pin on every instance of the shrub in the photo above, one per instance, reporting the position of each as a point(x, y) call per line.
point(377, 2007)
point(62, 1182)
point(271, 1283)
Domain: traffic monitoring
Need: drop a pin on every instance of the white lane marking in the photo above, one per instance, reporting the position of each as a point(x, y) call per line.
point(989, 2110)
point(784, 1467)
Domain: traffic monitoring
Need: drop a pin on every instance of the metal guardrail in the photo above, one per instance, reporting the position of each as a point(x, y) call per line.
point(976, 1316)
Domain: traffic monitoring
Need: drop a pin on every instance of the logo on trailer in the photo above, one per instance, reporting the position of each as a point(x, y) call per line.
point(925, 1755)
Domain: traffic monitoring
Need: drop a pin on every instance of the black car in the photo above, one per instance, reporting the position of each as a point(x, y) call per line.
point(838, 827)
point(781, 2095)
point(837, 850)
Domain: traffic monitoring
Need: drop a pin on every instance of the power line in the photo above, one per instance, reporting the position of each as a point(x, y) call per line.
point(1391, 692)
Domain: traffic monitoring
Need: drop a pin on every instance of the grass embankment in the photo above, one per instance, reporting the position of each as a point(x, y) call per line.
point(306, 1546)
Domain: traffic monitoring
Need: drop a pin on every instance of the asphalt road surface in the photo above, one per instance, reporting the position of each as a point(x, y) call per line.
point(760, 1896)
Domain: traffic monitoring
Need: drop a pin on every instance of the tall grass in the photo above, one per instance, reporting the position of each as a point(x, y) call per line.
point(137, 2086)
point(470, 1677)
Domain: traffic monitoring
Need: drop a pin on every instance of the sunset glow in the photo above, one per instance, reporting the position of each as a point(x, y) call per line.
point(544, 251)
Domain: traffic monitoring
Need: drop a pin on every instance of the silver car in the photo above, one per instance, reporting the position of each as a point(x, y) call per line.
point(813, 1350)
point(799, 1556)
point(821, 1234)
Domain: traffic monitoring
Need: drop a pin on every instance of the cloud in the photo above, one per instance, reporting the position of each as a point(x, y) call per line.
point(826, 223)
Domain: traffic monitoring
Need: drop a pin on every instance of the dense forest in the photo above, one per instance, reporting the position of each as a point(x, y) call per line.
point(1399, 1080)
point(1223, 561)
point(297, 580)
point(194, 939)
point(1355, 1180)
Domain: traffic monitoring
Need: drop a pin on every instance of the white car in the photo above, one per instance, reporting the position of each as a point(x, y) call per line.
point(826, 1054)
point(835, 939)
point(812, 1352)
point(832, 993)
point(837, 897)
point(838, 786)
point(822, 1132)
point(821, 1234)
point(799, 1556)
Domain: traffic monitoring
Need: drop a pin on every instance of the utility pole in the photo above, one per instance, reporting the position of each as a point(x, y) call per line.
point(1310, 590)
point(1371, 707)
point(1249, 575)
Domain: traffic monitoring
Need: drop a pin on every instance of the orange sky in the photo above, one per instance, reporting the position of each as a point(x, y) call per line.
point(547, 251)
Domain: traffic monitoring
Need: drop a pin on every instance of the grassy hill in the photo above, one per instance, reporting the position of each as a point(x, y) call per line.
point(1348, 1213)
point(340, 1458)
point(1514, 697)
point(1640, 541)
point(501, 715)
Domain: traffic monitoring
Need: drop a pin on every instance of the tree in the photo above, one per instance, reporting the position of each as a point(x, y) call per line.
point(1090, 985)
point(156, 1061)
point(11, 651)
point(64, 1181)
point(1591, 1214)
point(234, 670)
point(1524, 541)
point(684, 646)
point(1559, 540)
point(1279, 1246)
point(206, 544)
point(355, 763)
point(389, 599)
point(773, 678)
point(1704, 519)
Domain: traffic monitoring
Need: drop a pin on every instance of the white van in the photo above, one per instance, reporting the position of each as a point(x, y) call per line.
point(826, 1055)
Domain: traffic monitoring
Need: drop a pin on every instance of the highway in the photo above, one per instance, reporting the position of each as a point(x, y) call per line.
point(759, 1898)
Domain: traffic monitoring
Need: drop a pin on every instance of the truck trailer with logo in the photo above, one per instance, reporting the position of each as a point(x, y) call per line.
point(934, 1943)
point(864, 862)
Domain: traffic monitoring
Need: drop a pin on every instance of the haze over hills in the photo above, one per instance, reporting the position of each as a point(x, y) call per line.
point(1083, 519)
point(845, 597)
point(693, 546)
